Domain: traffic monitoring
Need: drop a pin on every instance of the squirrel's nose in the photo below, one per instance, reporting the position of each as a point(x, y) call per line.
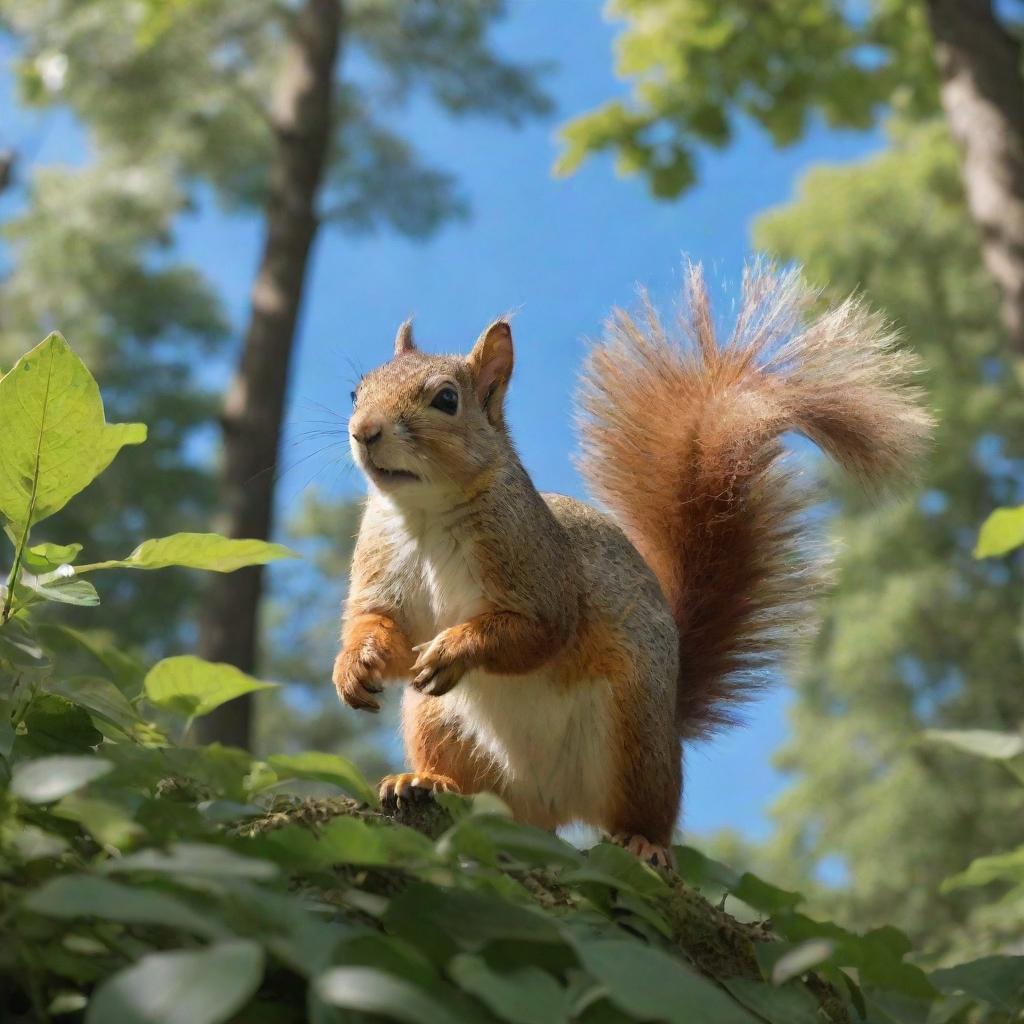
point(368, 432)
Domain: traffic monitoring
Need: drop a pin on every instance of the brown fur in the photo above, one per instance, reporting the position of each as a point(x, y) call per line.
point(434, 747)
point(681, 442)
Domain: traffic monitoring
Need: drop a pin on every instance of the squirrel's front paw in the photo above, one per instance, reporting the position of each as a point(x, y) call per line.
point(357, 676)
point(439, 665)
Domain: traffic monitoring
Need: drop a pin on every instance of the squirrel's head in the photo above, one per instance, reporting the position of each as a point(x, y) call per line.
point(422, 422)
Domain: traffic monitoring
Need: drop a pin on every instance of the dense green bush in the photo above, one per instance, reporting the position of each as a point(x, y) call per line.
point(146, 879)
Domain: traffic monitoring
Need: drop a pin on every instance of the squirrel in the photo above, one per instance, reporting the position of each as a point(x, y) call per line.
point(557, 654)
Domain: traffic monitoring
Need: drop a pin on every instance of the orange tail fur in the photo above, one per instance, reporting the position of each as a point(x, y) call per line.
point(681, 441)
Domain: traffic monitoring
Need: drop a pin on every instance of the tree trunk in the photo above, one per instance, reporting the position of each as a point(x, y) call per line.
point(254, 405)
point(982, 89)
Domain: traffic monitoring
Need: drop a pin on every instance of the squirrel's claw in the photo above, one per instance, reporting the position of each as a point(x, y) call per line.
point(436, 669)
point(357, 677)
point(412, 787)
point(437, 680)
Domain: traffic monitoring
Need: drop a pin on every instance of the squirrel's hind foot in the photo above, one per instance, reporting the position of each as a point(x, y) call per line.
point(640, 846)
point(413, 787)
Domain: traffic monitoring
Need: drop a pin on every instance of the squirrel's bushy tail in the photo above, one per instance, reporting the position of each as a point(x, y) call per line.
point(681, 440)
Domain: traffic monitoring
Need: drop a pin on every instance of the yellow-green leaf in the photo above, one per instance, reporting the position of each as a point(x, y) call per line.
point(1001, 533)
point(998, 867)
point(56, 439)
point(193, 687)
point(207, 551)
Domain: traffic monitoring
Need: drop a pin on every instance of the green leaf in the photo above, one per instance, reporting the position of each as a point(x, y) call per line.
point(997, 980)
point(491, 839)
point(1001, 533)
point(207, 551)
point(998, 867)
point(202, 987)
point(56, 440)
point(782, 961)
point(126, 671)
point(877, 955)
point(523, 995)
point(18, 644)
point(32, 843)
point(50, 778)
point(615, 862)
point(760, 895)
point(424, 914)
point(346, 840)
point(651, 985)
point(373, 991)
point(42, 558)
point(324, 768)
point(74, 896)
point(201, 860)
point(63, 591)
point(107, 823)
point(58, 726)
point(998, 746)
point(702, 871)
point(100, 697)
point(790, 1005)
point(193, 687)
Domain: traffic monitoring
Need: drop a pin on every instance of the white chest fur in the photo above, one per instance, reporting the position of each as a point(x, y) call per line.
point(549, 742)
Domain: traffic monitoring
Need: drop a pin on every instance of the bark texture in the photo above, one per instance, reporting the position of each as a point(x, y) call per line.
point(982, 91)
point(303, 123)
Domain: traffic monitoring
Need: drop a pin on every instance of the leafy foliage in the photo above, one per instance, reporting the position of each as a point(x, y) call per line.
point(697, 67)
point(145, 880)
point(918, 633)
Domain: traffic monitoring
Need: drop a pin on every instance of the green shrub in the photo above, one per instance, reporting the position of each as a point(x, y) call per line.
point(146, 879)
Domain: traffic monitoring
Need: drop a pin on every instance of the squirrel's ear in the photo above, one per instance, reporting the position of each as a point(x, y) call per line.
point(491, 366)
point(403, 339)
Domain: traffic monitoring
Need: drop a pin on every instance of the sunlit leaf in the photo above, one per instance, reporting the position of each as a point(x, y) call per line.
point(207, 551)
point(42, 558)
point(999, 746)
point(1001, 533)
point(56, 440)
point(50, 778)
point(998, 867)
point(204, 986)
point(374, 991)
point(62, 590)
point(192, 687)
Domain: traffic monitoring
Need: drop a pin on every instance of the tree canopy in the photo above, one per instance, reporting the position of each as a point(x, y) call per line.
point(918, 633)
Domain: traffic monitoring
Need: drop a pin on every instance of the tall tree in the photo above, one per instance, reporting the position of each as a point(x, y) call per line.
point(980, 63)
point(302, 121)
point(918, 633)
point(697, 66)
point(246, 98)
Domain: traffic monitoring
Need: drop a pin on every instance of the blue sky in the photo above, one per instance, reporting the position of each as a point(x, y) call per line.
point(560, 253)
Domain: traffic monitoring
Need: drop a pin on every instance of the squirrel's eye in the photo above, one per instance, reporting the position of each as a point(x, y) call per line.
point(447, 400)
